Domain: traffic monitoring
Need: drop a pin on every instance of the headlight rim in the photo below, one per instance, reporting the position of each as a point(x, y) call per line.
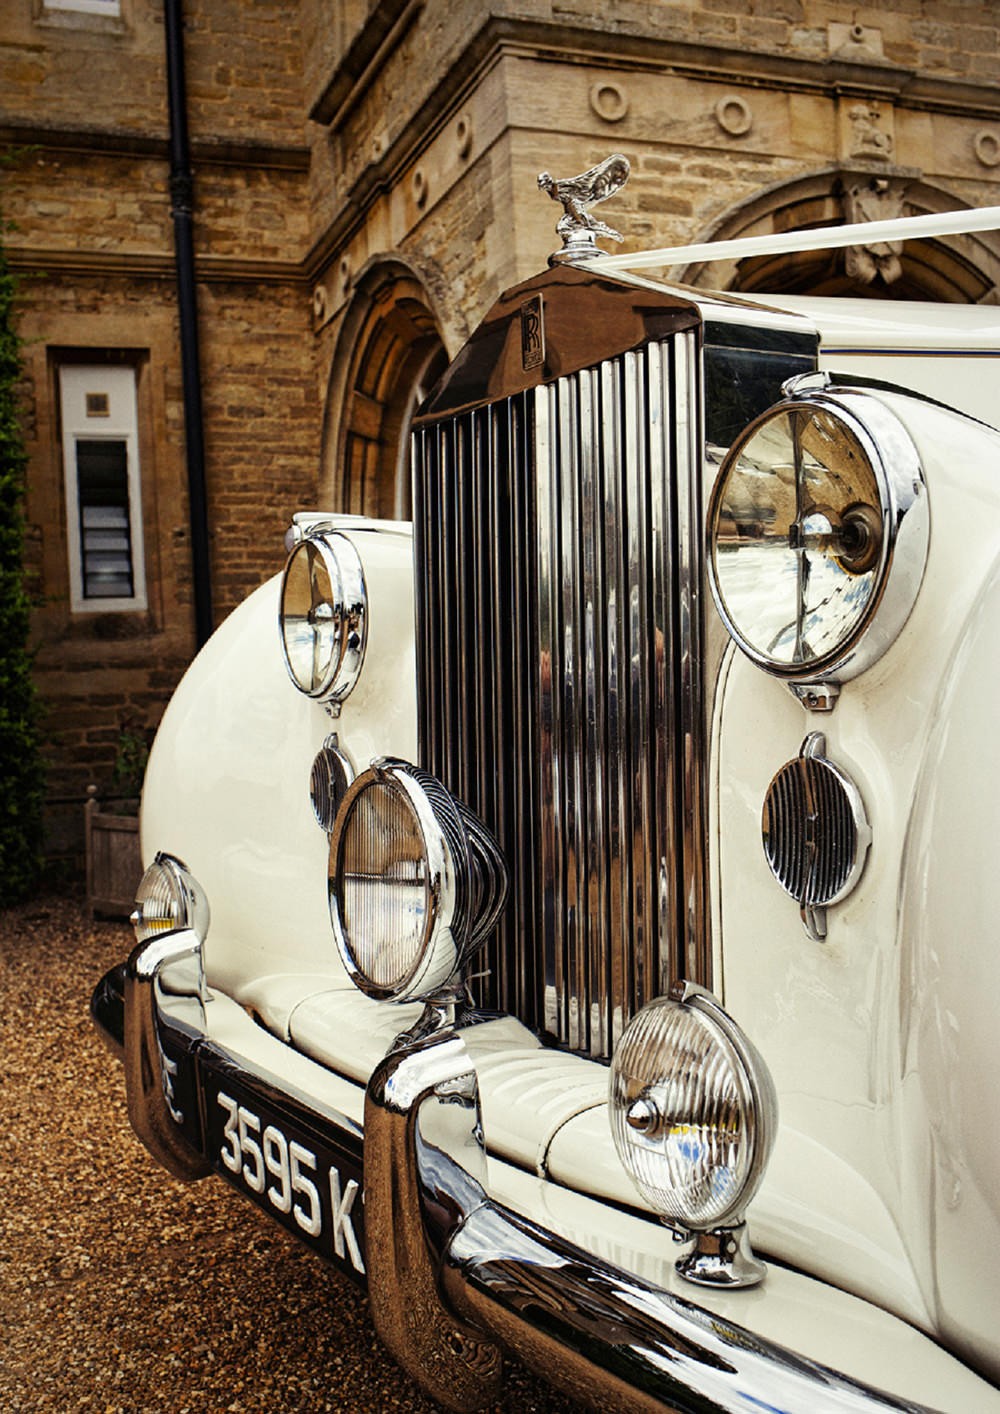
point(191, 901)
point(345, 570)
point(904, 508)
point(437, 957)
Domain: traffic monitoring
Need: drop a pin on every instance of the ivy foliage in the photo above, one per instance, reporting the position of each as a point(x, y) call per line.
point(21, 774)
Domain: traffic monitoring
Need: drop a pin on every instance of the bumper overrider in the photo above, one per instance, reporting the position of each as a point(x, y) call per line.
point(454, 1277)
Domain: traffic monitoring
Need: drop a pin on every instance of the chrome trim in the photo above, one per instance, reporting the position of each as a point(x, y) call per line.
point(652, 1098)
point(557, 622)
point(466, 883)
point(598, 1333)
point(905, 524)
point(453, 1275)
point(815, 833)
point(191, 907)
point(694, 675)
point(331, 774)
point(420, 1103)
point(348, 611)
point(165, 973)
point(579, 230)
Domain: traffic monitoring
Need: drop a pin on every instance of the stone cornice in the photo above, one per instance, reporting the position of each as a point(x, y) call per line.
point(33, 262)
point(98, 141)
point(378, 37)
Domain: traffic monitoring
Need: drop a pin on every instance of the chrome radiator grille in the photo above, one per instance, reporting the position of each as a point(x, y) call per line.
point(557, 629)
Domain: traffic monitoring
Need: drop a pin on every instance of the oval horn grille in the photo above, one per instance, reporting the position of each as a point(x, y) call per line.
point(331, 774)
point(815, 832)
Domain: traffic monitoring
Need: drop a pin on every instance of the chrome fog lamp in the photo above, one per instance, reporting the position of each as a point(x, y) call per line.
point(416, 882)
point(323, 619)
point(168, 899)
point(818, 531)
point(693, 1115)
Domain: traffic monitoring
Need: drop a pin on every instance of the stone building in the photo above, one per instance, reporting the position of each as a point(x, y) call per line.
point(365, 185)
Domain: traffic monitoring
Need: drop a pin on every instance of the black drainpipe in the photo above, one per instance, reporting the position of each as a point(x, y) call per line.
point(182, 212)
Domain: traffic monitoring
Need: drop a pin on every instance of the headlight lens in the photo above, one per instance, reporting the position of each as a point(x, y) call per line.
point(416, 882)
point(323, 616)
point(692, 1110)
point(805, 521)
point(169, 898)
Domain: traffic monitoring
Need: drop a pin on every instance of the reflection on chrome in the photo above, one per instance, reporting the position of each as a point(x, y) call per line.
point(323, 616)
point(818, 531)
point(415, 884)
point(798, 536)
point(454, 1274)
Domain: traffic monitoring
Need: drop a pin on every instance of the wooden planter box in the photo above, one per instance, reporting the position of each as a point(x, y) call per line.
point(114, 864)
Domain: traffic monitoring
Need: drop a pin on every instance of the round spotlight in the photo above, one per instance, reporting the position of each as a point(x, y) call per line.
point(169, 898)
point(818, 532)
point(693, 1113)
point(323, 619)
point(415, 881)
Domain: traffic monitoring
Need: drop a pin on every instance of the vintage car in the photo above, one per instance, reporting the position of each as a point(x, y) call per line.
point(571, 915)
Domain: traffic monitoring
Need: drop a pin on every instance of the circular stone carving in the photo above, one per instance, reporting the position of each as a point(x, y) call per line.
point(734, 115)
point(420, 186)
point(986, 146)
point(345, 273)
point(463, 134)
point(319, 302)
point(609, 101)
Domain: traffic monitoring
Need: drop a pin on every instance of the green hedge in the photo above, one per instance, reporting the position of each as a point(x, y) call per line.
point(21, 772)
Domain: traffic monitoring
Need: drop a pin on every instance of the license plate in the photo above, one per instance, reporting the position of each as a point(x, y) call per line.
point(309, 1185)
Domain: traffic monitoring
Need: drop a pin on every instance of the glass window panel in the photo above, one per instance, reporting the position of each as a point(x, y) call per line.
point(102, 493)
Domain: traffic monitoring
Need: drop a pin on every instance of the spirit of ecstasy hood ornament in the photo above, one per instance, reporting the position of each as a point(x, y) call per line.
point(576, 226)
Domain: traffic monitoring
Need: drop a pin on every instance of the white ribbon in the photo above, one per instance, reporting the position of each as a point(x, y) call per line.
point(903, 228)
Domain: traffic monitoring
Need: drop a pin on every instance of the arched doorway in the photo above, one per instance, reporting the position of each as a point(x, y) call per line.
point(388, 356)
point(961, 269)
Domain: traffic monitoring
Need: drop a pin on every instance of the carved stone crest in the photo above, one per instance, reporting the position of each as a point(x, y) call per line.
point(868, 139)
point(879, 199)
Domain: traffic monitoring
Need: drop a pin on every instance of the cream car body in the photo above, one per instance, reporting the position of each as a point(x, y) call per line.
point(882, 1199)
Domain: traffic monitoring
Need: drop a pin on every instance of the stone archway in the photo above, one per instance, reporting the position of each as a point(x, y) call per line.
point(959, 269)
point(388, 355)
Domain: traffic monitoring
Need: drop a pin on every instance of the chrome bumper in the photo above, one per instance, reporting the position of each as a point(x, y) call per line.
point(454, 1277)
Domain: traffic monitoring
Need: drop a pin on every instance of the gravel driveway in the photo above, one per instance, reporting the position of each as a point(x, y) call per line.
point(122, 1289)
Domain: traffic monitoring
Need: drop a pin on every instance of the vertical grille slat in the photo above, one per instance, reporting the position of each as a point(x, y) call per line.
point(548, 678)
point(668, 647)
point(621, 988)
point(641, 652)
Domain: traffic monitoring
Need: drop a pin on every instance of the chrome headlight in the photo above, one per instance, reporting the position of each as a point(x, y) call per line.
point(818, 531)
point(168, 899)
point(693, 1112)
point(416, 882)
point(323, 618)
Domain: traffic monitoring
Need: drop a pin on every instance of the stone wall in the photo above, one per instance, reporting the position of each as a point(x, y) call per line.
point(92, 242)
point(433, 147)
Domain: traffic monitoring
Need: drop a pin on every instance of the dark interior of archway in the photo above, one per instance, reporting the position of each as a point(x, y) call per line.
point(929, 272)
